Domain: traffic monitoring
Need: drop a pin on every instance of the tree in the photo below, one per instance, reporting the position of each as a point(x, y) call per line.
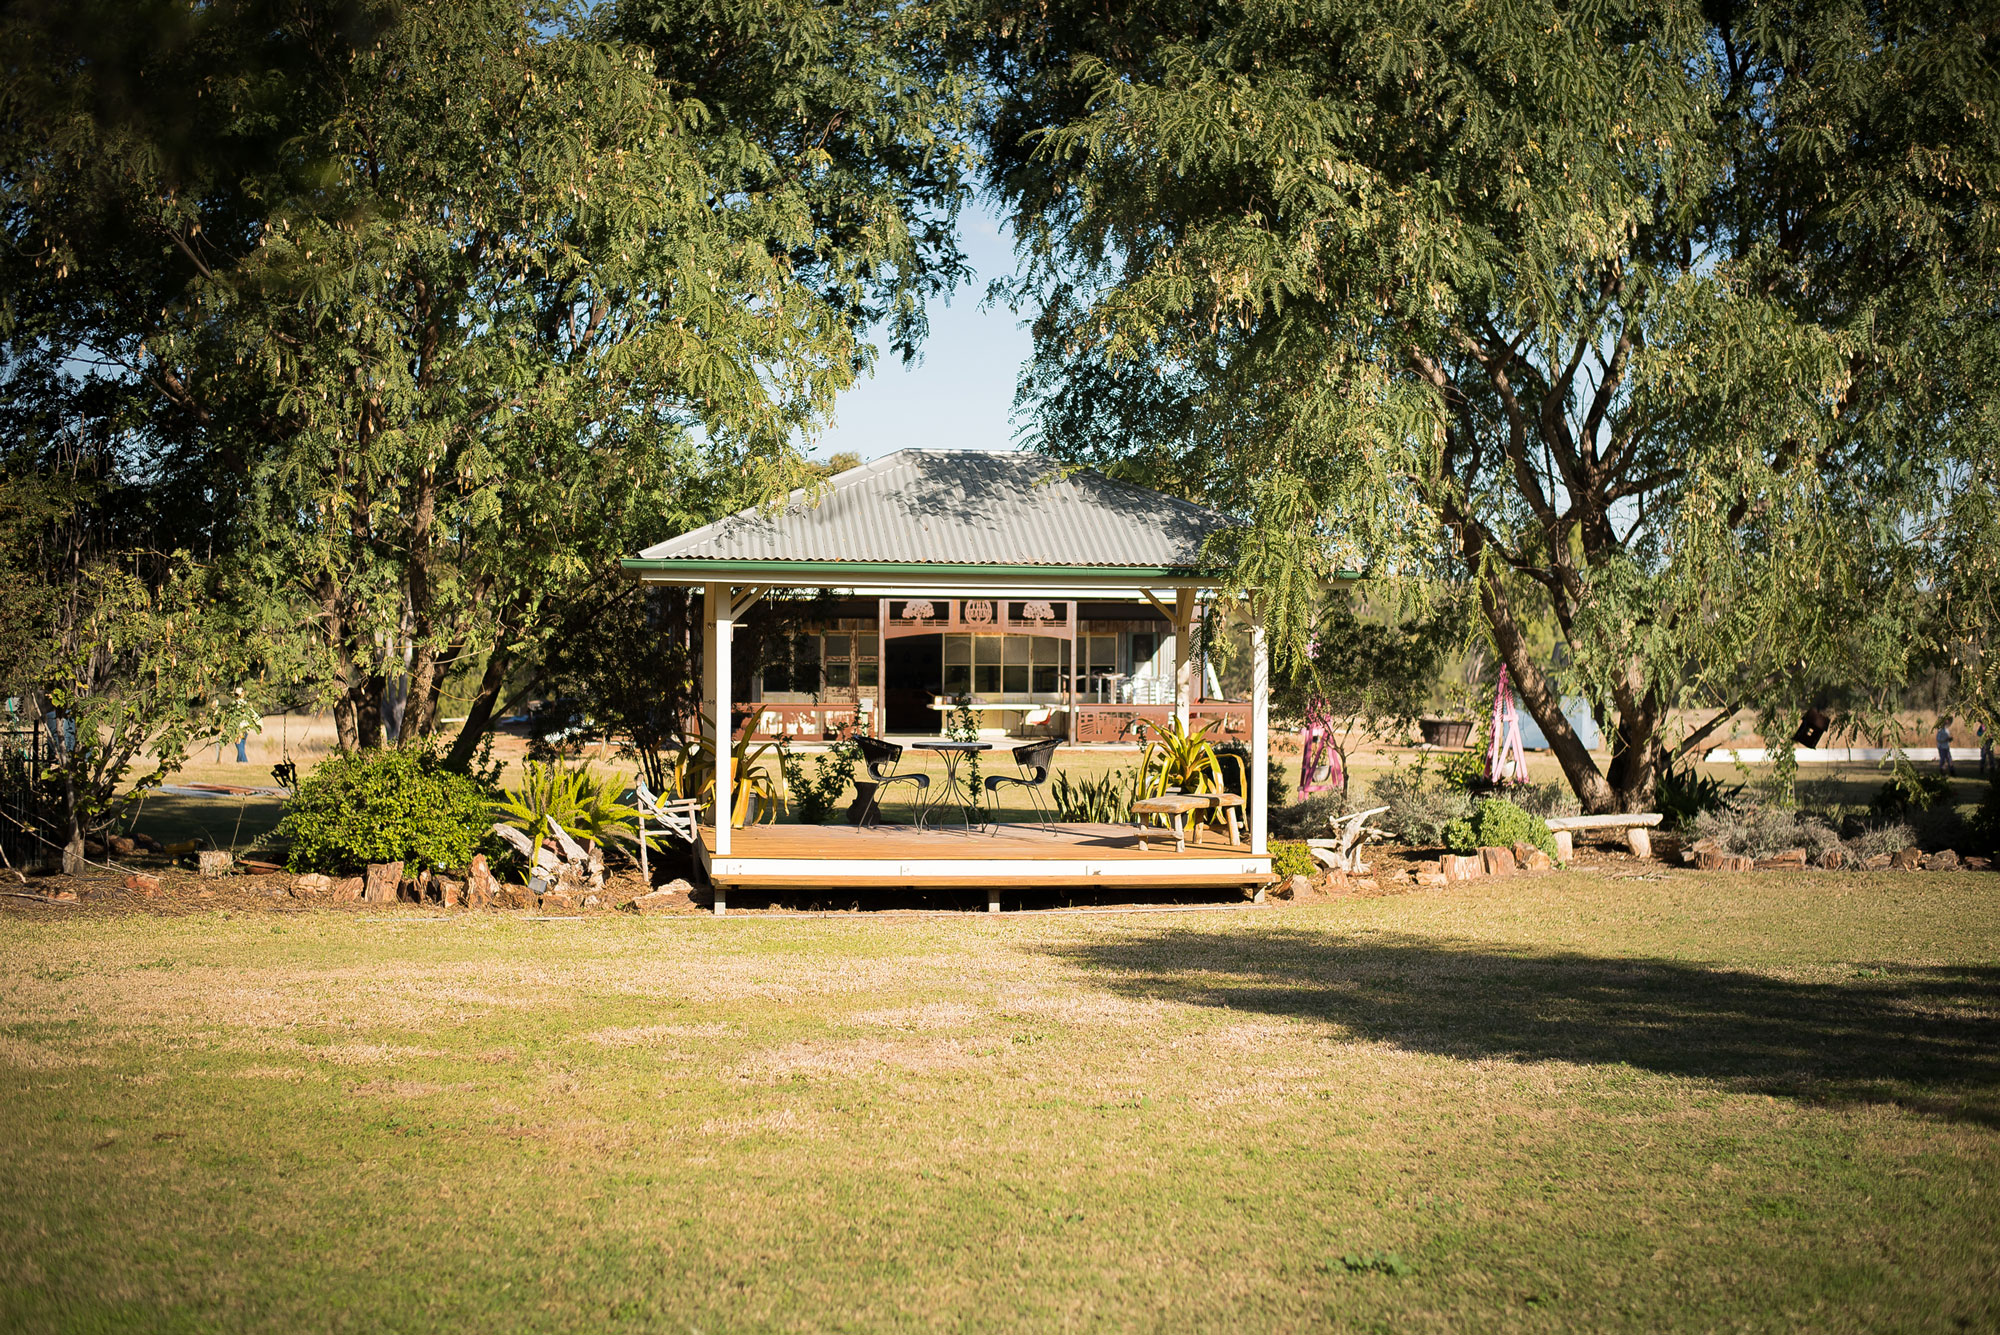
point(486, 298)
point(1369, 676)
point(120, 655)
point(1658, 306)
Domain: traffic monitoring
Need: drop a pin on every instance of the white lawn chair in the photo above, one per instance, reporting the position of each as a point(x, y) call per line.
point(1343, 851)
point(677, 817)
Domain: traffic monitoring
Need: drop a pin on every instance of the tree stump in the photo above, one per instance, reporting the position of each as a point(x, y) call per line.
point(382, 881)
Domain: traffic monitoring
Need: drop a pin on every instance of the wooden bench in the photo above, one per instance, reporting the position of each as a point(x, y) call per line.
point(1226, 805)
point(1634, 823)
point(1176, 807)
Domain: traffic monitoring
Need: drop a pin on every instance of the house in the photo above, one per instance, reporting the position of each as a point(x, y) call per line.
point(1052, 602)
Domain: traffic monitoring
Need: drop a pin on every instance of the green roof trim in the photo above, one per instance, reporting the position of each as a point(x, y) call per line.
point(914, 569)
point(924, 570)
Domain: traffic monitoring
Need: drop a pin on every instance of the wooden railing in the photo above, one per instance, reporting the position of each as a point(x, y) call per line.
point(1128, 723)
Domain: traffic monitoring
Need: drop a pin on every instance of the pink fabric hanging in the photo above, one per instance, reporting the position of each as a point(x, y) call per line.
point(1317, 752)
point(1504, 761)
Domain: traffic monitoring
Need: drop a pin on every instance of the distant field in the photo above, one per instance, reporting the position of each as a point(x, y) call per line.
point(1579, 1103)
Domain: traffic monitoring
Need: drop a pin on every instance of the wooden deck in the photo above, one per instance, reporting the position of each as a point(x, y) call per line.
point(889, 857)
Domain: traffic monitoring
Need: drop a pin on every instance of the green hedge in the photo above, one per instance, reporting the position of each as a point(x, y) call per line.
point(1498, 823)
point(384, 806)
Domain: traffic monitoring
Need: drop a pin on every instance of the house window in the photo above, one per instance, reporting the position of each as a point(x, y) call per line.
point(1144, 645)
point(807, 664)
point(1006, 665)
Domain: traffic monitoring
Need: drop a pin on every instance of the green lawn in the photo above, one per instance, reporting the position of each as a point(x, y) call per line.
point(1567, 1103)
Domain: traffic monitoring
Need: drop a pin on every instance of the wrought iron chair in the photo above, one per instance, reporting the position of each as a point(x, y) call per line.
point(1034, 761)
point(880, 758)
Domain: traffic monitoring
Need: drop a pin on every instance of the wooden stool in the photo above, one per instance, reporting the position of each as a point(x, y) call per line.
point(1228, 804)
point(1175, 807)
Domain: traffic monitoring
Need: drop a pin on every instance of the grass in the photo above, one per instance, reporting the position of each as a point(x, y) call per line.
point(1565, 1103)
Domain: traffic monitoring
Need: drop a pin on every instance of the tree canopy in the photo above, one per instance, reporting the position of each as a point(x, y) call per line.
point(432, 311)
point(1680, 315)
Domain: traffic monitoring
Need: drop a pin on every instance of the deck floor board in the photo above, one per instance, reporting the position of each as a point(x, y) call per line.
point(1071, 842)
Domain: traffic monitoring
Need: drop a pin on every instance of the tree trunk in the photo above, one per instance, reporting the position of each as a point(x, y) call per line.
point(1542, 704)
point(479, 717)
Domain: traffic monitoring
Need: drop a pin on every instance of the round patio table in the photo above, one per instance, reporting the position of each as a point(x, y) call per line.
point(954, 754)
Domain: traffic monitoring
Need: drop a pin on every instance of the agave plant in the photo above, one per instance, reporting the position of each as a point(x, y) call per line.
point(1177, 760)
point(584, 805)
point(692, 774)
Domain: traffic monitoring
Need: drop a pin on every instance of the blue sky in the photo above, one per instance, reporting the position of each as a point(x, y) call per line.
point(960, 393)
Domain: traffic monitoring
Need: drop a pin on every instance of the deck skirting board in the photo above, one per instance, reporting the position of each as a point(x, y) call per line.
point(939, 872)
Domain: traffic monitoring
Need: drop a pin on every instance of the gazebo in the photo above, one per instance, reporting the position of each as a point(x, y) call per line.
point(994, 559)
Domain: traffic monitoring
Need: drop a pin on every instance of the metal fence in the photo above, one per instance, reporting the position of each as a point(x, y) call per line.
point(24, 751)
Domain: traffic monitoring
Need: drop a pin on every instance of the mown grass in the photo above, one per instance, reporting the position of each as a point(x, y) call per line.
point(1568, 1103)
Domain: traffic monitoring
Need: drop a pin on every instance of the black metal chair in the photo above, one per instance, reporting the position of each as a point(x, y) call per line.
point(1034, 761)
point(880, 758)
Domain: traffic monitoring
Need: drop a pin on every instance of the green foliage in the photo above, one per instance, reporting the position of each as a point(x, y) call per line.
point(585, 806)
point(441, 307)
point(1104, 800)
point(383, 806)
point(124, 651)
point(1541, 306)
point(1370, 677)
point(1179, 758)
point(961, 724)
point(1909, 790)
point(1985, 823)
point(1418, 810)
point(1498, 823)
point(1685, 794)
point(1292, 859)
point(814, 796)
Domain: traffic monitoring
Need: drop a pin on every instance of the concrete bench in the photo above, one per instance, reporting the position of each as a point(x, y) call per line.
point(1635, 824)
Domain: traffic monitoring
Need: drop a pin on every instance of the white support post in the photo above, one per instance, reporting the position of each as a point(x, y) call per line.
point(716, 635)
point(725, 759)
point(1183, 657)
point(1260, 734)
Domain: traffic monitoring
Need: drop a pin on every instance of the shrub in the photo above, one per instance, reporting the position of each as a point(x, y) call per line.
point(1765, 830)
point(1985, 823)
point(383, 806)
point(1544, 799)
point(1684, 795)
point(1289, 859)
point(1311, 818)
point(1417, 812)
point(1498, 823)
point(1910, 790)
point(814, 797)
point(1892, 837)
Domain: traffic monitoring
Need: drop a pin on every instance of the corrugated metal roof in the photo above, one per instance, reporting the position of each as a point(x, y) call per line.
point(962, 507)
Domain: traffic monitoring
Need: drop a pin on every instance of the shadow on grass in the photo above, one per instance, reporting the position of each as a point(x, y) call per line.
point(1922, 1038)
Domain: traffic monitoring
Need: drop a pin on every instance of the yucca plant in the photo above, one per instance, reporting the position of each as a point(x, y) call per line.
point(1179, 760)
point(575, 799)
